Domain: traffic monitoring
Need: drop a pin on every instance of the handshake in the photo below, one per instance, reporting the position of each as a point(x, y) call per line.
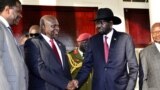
point(72, 85)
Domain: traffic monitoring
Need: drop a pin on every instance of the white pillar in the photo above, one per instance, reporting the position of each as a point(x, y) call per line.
point(154, 7)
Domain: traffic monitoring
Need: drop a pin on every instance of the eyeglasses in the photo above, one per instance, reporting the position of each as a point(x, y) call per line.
point(34, 34)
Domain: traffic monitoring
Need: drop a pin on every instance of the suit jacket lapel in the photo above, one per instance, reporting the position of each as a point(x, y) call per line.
point(50, 49)
point(45, 43)
point(64, 57)
point(62, 52)
point(99, 47)
point(113, 41)
point(155, 52)
point(99, 43)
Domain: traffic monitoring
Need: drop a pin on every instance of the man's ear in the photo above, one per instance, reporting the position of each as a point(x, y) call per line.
point(7, 9)
point(43, 26)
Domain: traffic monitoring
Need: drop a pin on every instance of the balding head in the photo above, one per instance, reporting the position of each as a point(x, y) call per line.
point(156, 32)
point(155, 25)
point(48, 18)
point(34, 30)
point(44, 19)
point(49, 26)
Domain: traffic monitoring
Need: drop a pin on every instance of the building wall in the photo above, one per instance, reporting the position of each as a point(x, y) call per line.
point(116, 5)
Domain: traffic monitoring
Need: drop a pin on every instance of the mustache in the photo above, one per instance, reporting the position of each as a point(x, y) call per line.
point(102, 31)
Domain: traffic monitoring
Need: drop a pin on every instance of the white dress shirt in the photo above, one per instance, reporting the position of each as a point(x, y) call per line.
point(109, 37)
point(5, 23)
point(158, 46)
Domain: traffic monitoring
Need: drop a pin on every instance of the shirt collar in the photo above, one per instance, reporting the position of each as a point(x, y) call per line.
point(45, 37)
point(4, 21)
point(80, 52)
point(158, 46)
point(109, 35)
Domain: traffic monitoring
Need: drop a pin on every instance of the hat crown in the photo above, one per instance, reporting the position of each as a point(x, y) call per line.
point(107, 14)
point(104, 13)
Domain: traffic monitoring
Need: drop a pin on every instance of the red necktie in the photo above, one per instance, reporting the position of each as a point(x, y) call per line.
point(106, 49)
point(55, 50)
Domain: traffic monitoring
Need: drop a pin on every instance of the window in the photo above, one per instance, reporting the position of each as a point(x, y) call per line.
point(135, 0)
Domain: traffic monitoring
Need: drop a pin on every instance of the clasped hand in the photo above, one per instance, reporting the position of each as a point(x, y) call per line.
point(72, 85)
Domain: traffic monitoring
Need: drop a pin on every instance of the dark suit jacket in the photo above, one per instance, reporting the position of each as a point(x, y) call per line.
point(45, 72)
point(114, 74)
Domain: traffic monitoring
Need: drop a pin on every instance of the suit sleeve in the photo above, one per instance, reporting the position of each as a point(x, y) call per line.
point(132, 64)
point(31, 58)
point(86, 66)
point(40, 69)
point(143, 68)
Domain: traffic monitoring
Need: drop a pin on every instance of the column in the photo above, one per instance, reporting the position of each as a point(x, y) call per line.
point(154, 7)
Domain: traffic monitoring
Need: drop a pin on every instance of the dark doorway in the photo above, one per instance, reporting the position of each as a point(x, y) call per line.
point(138, 26)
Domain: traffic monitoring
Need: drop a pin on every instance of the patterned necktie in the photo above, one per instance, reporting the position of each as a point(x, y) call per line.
point(106, 49)
point(55, 51)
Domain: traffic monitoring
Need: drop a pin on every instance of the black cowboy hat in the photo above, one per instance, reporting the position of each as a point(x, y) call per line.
point(107, 14)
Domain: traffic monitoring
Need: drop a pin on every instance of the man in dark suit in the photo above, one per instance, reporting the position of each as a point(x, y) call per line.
point(46, 58)
point(109, 57)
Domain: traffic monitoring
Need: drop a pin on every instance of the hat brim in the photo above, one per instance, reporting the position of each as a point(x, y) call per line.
point(116, 20)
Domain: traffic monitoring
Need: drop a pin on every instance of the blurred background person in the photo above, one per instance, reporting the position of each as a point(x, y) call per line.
point(149, 62)
point(76, 58)
point(22, 41)
point(34, 31)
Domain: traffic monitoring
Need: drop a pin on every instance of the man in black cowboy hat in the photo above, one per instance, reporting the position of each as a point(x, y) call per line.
point(109, 54)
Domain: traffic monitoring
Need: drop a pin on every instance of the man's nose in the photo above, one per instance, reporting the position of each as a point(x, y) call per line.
point(98, 26)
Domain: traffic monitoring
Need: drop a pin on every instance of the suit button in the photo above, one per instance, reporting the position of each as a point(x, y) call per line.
point(105, 69)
